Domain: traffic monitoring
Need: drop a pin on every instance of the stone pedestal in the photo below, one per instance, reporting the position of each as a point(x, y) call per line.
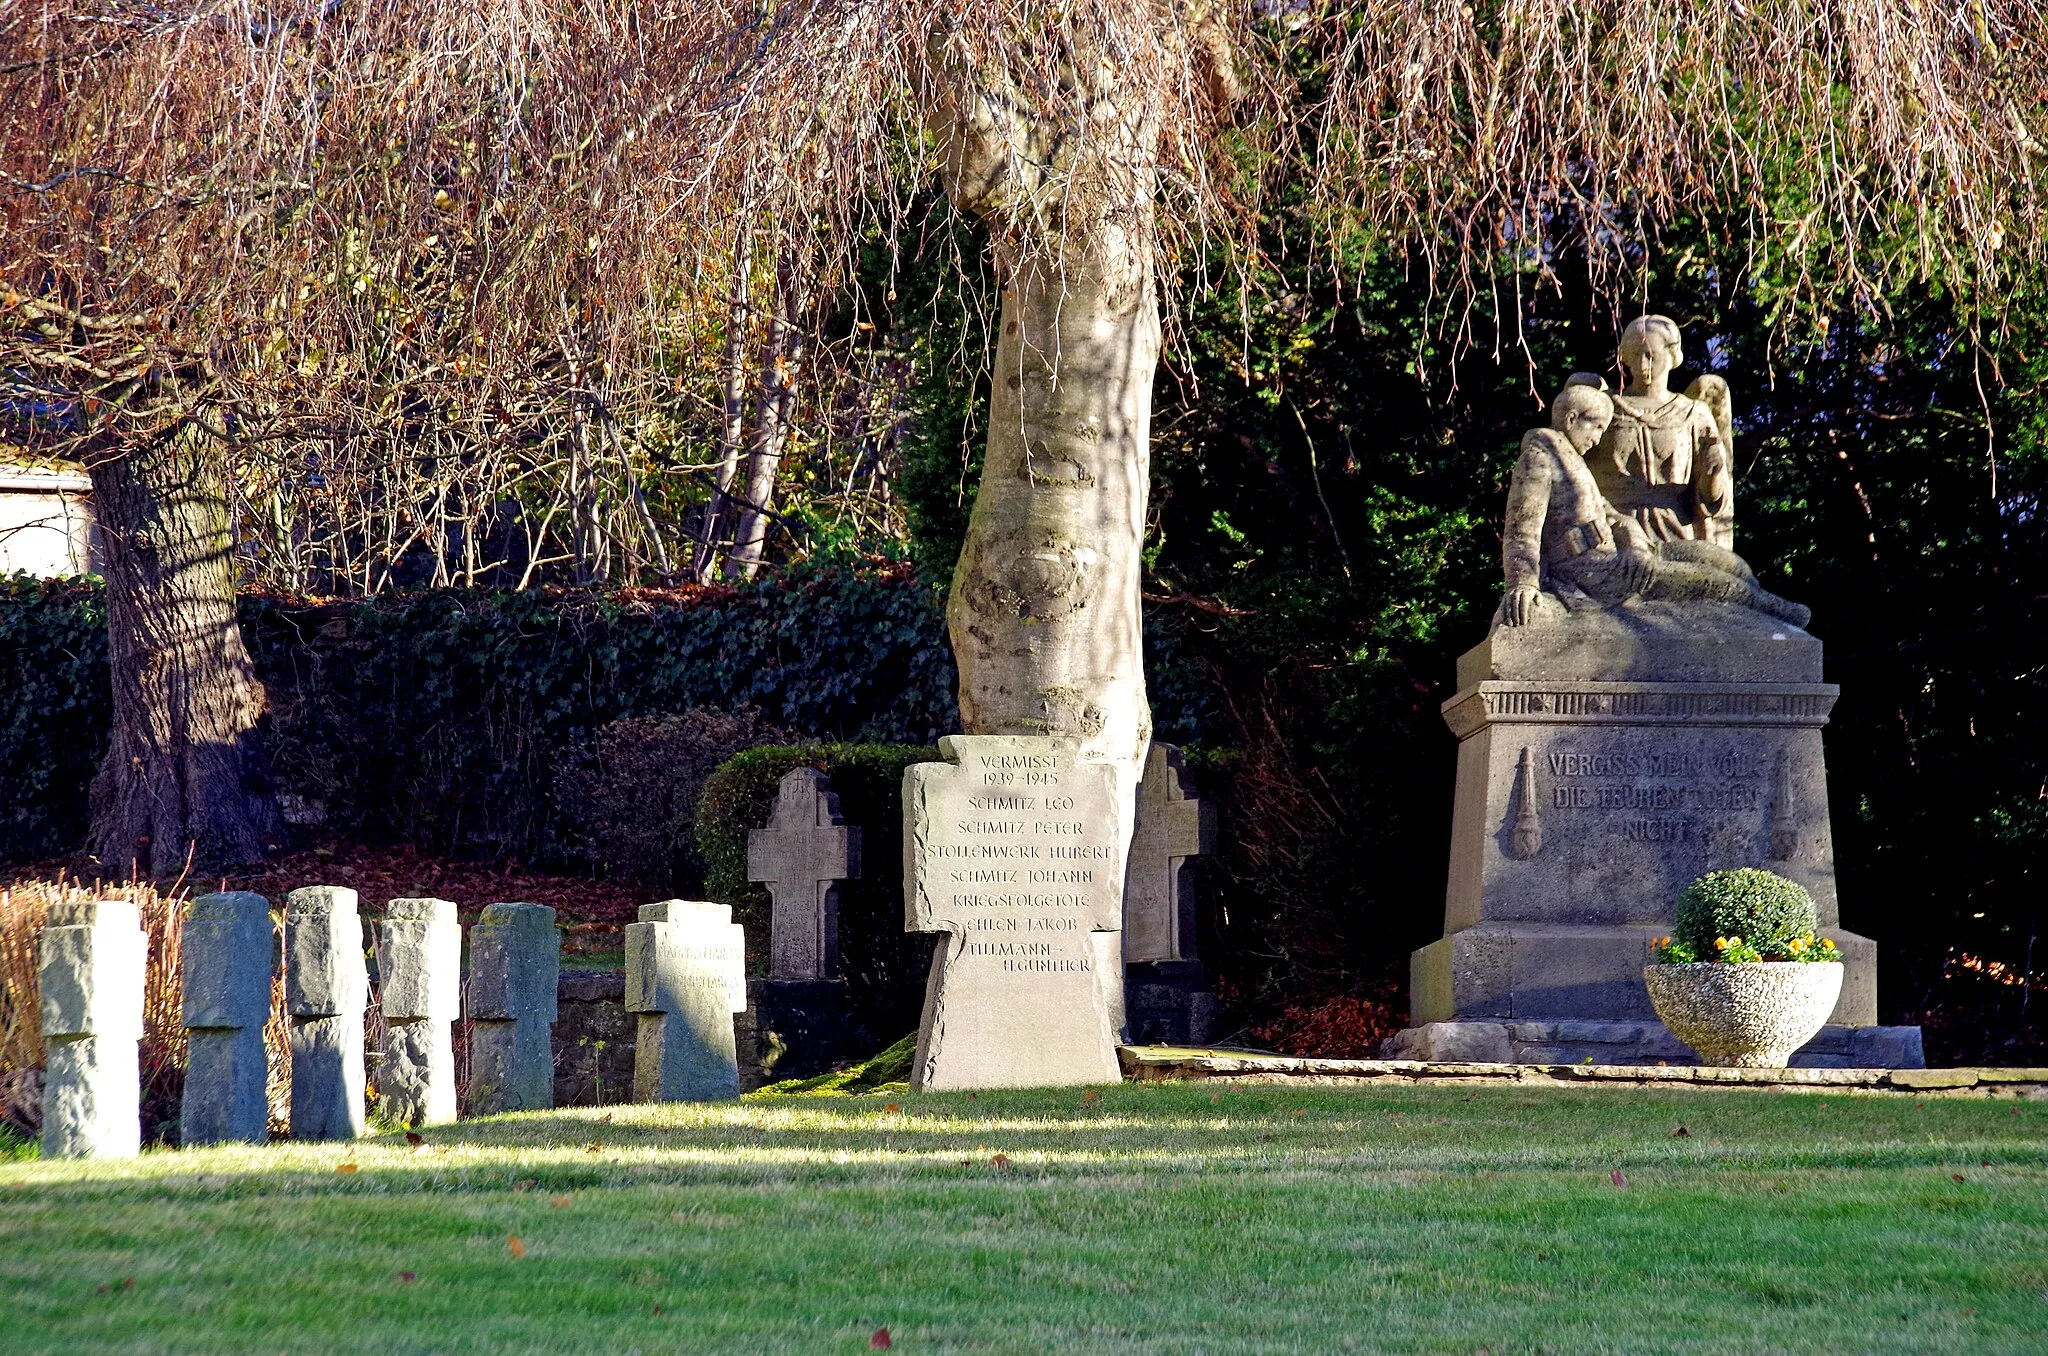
point(93, 962)
point(515, 966)
point(326, 985)
point(229, 953)
point(419, 960)
point(1606, 759)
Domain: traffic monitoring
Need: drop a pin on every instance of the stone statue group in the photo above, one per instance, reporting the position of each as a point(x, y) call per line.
point(1631, 494)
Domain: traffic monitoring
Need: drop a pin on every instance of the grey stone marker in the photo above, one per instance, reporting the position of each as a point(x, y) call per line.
point(515, 963)
point(93, 960)
point(228, 955)
point(1171, 828)
point(1012, 848)
point(686, 976)
point(326, 986)
point(419, 960)
point(802, 854)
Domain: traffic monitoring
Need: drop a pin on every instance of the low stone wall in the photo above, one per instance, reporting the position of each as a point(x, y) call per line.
point(791, 1029)
point(1161, 1064)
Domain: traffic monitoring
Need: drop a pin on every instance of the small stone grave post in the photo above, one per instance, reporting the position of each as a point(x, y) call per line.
point(326, 986)
point(1172, 827)
point(686, 975)
point(802, 854)
point(1012, 848)
point(515, 963)
point(228, 955)
point(93, 962)
point(419, 960)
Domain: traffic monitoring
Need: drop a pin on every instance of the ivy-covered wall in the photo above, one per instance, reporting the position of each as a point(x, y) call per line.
point(441, 718)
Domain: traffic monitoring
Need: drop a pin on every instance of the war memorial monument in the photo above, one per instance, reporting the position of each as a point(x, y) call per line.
point(1640, 713)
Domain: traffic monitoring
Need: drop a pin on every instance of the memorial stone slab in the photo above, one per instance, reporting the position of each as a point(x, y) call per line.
point(1171, 827)
point(686, 977)
point(802, 854)
point(515, 963)
point(1013, 850)
point(93, 961)
point(228, 955)
point(326, 987)
point(419, 961)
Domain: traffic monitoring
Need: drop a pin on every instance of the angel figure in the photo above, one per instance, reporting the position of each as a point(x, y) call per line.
point(1563, 537)
point(1668, 460)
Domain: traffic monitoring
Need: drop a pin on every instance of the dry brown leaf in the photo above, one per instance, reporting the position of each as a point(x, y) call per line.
point(1616, 1178)
point(880, 1340)
point(512, 1242)
point(345, 1167)
point(561, 1202)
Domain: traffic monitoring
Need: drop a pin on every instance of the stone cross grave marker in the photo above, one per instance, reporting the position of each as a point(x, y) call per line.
point(1012, 849)
point(802, 854)
point(686, 975)
point(419, 959)
point(227, 956)
point(1172, 826)
point(93, 962)
point(515, 964)
point(326, 986)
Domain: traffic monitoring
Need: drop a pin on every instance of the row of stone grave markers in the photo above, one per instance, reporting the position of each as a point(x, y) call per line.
point(686, 978)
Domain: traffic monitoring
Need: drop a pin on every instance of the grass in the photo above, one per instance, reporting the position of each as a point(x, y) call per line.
point(1145, 1218)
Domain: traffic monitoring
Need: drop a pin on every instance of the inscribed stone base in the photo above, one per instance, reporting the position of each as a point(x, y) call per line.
point(1585, 972)
point(327, 1076)
point(1606, 759)
point(417, 1077)
point(1578, 1042)
point(92, 1098)
point(1168, 1003)
point(1013, 851)
point(511, 1066)
point(226, 1101)
point(984, 1028)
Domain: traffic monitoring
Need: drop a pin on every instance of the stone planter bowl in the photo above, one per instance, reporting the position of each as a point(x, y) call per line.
point(1749, 1016)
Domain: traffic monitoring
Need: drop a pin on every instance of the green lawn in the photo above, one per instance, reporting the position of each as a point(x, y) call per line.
point(1153, 1218)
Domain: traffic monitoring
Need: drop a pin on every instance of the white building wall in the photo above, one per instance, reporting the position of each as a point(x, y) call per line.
point(45, 521)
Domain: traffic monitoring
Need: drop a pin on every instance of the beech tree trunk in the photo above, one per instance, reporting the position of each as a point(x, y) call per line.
point(1045, 612)
point(733, 430)
point(183, 772)
point(780, 360)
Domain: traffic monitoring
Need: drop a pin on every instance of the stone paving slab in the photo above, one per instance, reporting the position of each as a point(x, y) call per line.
point(1160, 1064)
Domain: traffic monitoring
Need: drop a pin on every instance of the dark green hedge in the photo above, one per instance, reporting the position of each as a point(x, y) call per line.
point(884, 965)
point(438, 718)
point(53, 711)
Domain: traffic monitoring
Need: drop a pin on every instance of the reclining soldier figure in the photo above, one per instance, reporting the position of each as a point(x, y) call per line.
point(1563, 536)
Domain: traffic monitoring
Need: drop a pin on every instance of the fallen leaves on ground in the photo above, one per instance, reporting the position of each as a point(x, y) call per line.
point(1001, 1160)
point(345, 1167)
point(407, 1277)
point(561, 1202)
point(415, 1138)
point(1680, 1133)
point(1616, 1178)
point(880, 1340)
point(513, 1242)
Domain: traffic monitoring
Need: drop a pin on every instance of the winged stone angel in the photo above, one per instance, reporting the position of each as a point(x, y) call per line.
point(1668, 459)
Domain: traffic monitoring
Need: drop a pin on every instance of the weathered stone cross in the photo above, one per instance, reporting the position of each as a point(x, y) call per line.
point(802, 854)
point(1172, 826)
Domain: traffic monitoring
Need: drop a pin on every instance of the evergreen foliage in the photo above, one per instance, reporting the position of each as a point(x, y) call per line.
point(1761, 907)
point(884, 965)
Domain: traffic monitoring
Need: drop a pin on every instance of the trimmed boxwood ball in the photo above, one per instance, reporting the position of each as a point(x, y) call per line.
point(1761, 907)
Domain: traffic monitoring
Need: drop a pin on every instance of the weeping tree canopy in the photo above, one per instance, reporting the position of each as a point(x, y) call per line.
point(420, 252)
point(343, 219)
